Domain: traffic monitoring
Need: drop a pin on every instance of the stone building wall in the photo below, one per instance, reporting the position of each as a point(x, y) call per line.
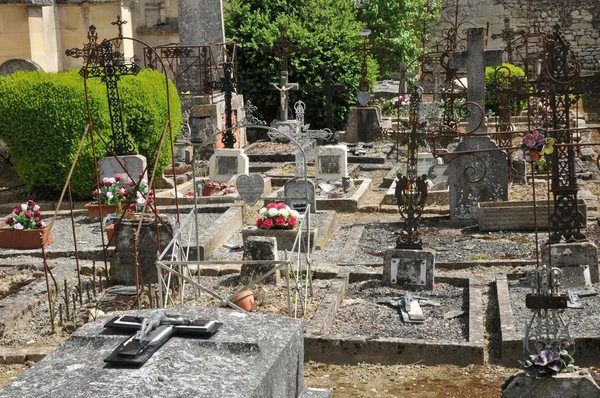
point(14, 32)
point(580, 21)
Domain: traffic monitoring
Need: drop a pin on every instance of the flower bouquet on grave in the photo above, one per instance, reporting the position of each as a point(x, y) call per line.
point(277, 216)
point(107, 198)
point(547, 364)
point(136, 197)
point(25, 226)
point(535, 146)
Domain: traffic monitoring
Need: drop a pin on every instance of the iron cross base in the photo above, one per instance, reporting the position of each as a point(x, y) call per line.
point(152, 333)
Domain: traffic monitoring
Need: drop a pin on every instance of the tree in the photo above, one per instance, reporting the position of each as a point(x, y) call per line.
point(397, 29)
point(327, 30)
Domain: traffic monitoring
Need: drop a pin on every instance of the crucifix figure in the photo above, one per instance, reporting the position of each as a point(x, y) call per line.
point(475, 59)
point(153, 332)
point(106, 62)
point(507, 35)
point(283, 87)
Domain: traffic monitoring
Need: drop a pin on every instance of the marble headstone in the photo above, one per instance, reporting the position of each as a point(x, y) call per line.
point(332, 162)
point(226, 163)
point(426, 162)
point(13, 65)
point(252, 355)
point(297, 195)
point(250, 188)
point(410, 268)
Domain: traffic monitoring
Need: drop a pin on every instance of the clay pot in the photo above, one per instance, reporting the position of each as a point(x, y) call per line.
point(209, 191)
point(244, 300)
point(94, 210)
point(110, 235)
point(25, 239)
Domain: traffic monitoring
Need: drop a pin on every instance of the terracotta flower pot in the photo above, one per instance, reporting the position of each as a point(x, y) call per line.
point(209, 191)
point(244, 300)
point(24, 239)
point(94, 210)
point(110, 235)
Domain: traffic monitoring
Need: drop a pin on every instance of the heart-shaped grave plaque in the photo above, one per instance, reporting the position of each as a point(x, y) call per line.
point(250, 188)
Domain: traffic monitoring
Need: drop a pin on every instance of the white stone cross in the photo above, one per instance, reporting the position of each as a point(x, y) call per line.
point(475, 59)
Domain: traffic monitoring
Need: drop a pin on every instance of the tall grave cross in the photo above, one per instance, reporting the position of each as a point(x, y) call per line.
point(507, 35)
point(283, 48)
point(106, 62)
point(329, 89)
point(475, 59)
point(402, 74)
point(227, 85)
point(307, 136)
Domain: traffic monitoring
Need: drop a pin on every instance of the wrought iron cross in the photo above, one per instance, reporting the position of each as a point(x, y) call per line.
point(329, 90)
point(475, 59)
point(507, 35)
point(402, 75)
point(283, 48)
point(227, 85)
point(106, 62)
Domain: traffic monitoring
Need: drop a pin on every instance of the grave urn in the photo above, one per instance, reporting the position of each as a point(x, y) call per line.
point(24, 239)
point(123, 260)
point(94, 210)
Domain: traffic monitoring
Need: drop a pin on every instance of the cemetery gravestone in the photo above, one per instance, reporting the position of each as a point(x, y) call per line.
point(332, 162)
point(251, 355)
point(481, 177)
point(18, 64)
point(409, 268)
point(250, 188)
point(259, 248)
point(298, 196)
point(426, 162)
point(226, 163)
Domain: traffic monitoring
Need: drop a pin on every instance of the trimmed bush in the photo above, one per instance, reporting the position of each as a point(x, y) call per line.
point(43, 117)
point(494, 82)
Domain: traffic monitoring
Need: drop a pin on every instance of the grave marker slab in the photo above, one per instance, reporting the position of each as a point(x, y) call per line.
point(426, 162)
point(252, 355)
point(226, 163)
point(250, 188)
point(332, 162)
point(17, 64)
point(410, 268)
point(297, 196)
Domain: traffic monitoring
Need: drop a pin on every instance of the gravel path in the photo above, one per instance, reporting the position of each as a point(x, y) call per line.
point(360, 315)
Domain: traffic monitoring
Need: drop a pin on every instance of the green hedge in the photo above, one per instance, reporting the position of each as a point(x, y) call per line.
point(506, 76)
point(43, 117)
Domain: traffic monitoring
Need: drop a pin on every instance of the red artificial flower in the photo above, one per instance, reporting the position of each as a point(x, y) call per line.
point(37, 213)
point(95, 192)
point(292, 222)
point(268, 223)
point(38, 219)
point(28, 214)
point(107, 183)
point(140, 176)
point(534, 156)
point(132, 206)
point(38, 225)
point(17, 211)
point(281, 205)
point(30, 203)
point(117, 178)
point(280, 221)
point(271, 206)
point(9, 220)
point(131, 183)
point(259, 223)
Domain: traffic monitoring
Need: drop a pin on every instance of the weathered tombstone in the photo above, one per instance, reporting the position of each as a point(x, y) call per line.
point(577, 260)
point(134, 164)
point(17, 64)
point(226, 163)
point(364, 124)
point(409, 268)
point(251, 355)
point(426, 162)
point(299, 193)
point(250, 188)
point(259, 248)
point(483, 176)
point(332, 162)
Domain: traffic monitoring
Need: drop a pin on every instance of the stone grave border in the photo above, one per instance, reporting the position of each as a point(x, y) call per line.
point(440, 198)
point(349, 205)
point(279, 180)
point(391, 351)
point(587, 348)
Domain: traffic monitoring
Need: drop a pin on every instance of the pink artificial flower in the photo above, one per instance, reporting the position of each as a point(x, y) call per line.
point(271, 206)
point(95, 192)
point(280, 221)
point(292, 222)
point(535, 140)
point(140, 176)
point(131, 183)
point(259, 223)
point(281, 205)
point(24, 206)
point(38, 225)
point(38, 219)
point(18, 226)
point(36, 208)
point(268, 223)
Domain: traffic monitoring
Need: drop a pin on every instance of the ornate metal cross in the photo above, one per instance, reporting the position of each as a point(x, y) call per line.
point(402, 74)
point(508, 35)
point(306, 136)
point(329, 90)
point(283, 48)
point(106, 62)
point(227, 85)
point(475, 59)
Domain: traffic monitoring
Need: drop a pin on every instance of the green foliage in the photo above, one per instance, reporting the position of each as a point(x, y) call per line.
point(43, 117)
point(328, 30)
point(397, 29)
point(500, 77)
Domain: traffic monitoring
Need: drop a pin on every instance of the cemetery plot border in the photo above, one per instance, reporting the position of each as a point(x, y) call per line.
point(392, 350)
point(587, 345)
point(280, 174)
point(438, 195)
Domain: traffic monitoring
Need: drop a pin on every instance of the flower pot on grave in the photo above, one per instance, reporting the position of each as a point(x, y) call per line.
point(94, 210)
point(24, 239)
point(110, 235)
point(209, 191)
point(285, 237)
point(244, 300)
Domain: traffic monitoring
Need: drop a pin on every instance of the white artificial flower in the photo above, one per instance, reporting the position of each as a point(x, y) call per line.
point(294, 213)
point(24, 206)
point(139, 194)
point(109, 195)
point(105, 179)
point(284, 213)
point(140, 201)
point(262, 211)
point(18, 226)
point(122, 191)
point(43, 224)
point(272, 212)
point(112, 180)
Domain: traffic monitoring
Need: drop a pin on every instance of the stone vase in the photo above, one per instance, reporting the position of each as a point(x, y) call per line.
point(24, 239)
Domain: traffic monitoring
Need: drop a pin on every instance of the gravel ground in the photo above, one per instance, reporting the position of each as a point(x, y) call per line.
point(360, 315)
point(582, 322)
